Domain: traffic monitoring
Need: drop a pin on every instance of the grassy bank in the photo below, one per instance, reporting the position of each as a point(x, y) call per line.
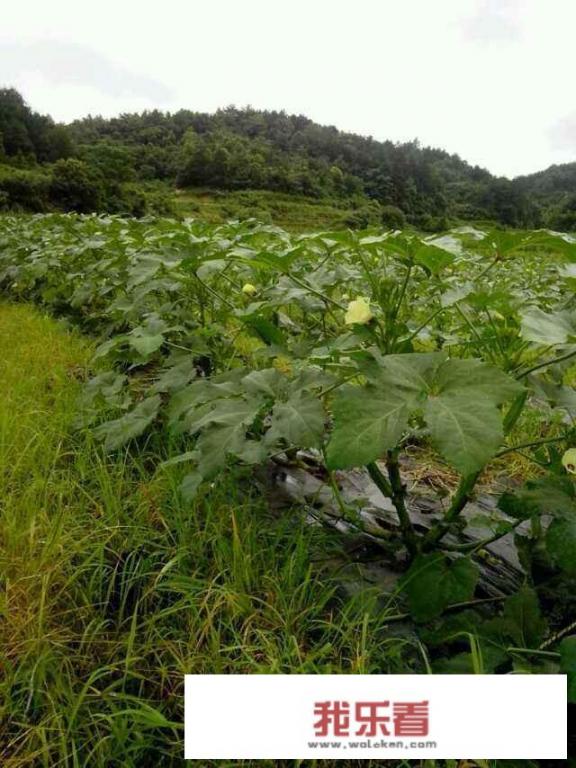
point(292, 212)
point(113, 589)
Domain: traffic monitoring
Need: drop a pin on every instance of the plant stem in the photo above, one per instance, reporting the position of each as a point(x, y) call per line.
point(474, 546)
point(453, 607)
point(558, 636)
point(543, 441)
point(469, 324)
point(396, 490)
point(307, 287)
point(425, 323)
point(546, 363)
point(489, 267)
point(379, 479)
point(461, 498)
point(534, 652)
point(214, 293)
point(338, 384)
point(390, 344)
point(368, 271)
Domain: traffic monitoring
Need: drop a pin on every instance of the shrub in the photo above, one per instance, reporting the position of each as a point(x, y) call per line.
point(76, 187)
point(393, 217)
point(365, 215)
point(24, 189)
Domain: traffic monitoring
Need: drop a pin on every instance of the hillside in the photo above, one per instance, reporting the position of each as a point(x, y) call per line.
point(555, 191)
point(188, 161)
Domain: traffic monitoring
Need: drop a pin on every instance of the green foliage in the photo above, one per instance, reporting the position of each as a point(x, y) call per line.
point(523, 619)
point(26, 135)
point(393, 217)
point(248, 149)
point(461, 337)
point(76, 186)
point(568, 664)
point(129, 588)
point(23, 189)
point(434, 582)
point(374, 182)
point(296, 213)
point(457, 399)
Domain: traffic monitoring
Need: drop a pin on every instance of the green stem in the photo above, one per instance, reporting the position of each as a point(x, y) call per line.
point(535, 652)
point(470, 324)
point(514, 412)
point(474, 546)
point(307, 287)
point(425, 323)
point(545, 364)
point(338, 384)
point(496, 336)
point(558, 636)
point(379, 479)
point(369, 276)
point(459, 501)
point(214, 293)
point(543, 441)
point(489, 267)
point(396, 490)
point(402, 292)
point(453, 607)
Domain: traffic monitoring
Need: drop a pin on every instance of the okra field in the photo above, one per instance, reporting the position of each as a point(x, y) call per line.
point(147, 536)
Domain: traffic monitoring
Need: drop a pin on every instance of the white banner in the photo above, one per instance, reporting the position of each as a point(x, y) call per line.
point(375, 716)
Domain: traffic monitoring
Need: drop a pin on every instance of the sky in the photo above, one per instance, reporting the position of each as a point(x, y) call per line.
point(492, 80)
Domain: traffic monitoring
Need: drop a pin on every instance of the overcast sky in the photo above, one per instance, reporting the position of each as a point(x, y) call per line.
point(493, 80)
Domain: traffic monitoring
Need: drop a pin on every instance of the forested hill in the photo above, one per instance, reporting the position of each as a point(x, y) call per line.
point(134, 162)
point(251, 149)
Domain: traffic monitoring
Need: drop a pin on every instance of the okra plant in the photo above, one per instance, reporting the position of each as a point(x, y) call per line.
point(248, 343)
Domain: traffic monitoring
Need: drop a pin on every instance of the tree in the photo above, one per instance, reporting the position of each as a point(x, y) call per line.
point(393, 217)
point(28, 134)
point(76, 186)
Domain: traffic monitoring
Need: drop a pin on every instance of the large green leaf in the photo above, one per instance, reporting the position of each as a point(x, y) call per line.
point(433, 258)
point(298, 422)
point(561, 541)
point(177, 375)
point(367, 422)
point(119, 431)
point(523, 618)
point(265, 330)
point(225, 412)
point(412, 373)
point(268, 382)
point(146, 344)
point(462, 411)
point(465, 431)
point(215, 445)
point(547, 328)
point(476, 378)
point(435, 581)
point(459, 400)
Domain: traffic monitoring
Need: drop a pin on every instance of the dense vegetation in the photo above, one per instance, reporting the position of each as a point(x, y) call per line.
point(132, 164)
point(223, 349)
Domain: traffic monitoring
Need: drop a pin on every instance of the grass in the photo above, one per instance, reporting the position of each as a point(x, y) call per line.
point(113, 589)
point(292, 212)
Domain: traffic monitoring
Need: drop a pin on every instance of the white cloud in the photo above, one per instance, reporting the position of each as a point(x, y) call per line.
point(563, 134)
point(483, 79)
point(494, 21)
point(76, 73)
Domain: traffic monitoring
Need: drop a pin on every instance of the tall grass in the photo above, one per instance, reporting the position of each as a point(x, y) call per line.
point(113, 588)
